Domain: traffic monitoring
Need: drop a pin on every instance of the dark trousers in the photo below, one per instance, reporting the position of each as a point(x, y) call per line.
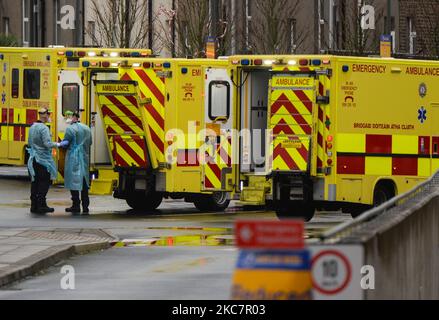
point(84, 196)
point(40, 185)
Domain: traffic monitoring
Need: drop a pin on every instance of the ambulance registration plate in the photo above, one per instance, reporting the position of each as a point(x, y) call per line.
point(296, 144)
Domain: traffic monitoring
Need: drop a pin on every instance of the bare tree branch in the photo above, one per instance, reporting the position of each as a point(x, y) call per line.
point(271, 27)
point(119, 23)
point(192, 22)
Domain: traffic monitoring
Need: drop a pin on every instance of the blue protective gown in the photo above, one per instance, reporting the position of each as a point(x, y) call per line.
point(77, 158)
point(40, 149)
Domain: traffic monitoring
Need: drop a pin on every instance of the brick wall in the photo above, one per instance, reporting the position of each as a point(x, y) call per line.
point(424, 14)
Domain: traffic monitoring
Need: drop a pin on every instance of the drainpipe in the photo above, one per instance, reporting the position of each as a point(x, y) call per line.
point(173, 31)
point(150, 24)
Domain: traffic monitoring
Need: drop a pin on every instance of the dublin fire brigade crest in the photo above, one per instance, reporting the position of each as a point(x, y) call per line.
point(422, 90)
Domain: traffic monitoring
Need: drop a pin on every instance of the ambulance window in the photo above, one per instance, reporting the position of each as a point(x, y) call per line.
point(31, 84)
point(15, 83)
point(70, 97)
point(219, 99)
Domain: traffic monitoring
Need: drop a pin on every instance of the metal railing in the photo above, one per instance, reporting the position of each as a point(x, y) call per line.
point(351, 231)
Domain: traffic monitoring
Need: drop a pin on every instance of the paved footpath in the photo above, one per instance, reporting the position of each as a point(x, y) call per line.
point(26, 251)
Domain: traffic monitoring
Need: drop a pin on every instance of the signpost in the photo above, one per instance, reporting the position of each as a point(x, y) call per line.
point(272, 262)
point(386, 46)
point(336, 272)
point(286, 234)
point(210, 48)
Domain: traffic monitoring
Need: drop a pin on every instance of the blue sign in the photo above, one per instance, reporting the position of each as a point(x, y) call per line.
point(385, 38)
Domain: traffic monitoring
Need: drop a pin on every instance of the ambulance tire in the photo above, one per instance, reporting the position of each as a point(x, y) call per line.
point(356, 210)
point(384, 191)
point(140, 202)
point(216, 202)
point(296, 209)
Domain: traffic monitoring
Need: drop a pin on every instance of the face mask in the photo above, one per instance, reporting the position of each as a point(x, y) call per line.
point(69, 120)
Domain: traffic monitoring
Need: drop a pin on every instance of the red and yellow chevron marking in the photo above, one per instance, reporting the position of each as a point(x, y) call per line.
point(129, 151)
point(216, 158)
point(291, 125)
point(152, 87)
point(122, 114)
point(123, 124)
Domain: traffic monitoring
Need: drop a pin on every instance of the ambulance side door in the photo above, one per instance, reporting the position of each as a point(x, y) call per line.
point(218, 120)
point(70, 97)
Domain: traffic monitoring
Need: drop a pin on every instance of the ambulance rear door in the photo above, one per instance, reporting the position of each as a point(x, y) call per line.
point(216, 153)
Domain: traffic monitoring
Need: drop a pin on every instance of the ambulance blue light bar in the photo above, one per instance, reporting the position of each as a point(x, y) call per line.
point(69, 54)
point(166, 65)
point(316, 62)
point(245, 62)
point(85, 64)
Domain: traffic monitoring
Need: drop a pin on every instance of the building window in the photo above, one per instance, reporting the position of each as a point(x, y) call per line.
point(15, 83)
point(92, 29)
point(411, 35)
point(26, 22)
point(219, 100)
point(31, 84)
point(248, 19)
point(6, 26)
point(70, 98)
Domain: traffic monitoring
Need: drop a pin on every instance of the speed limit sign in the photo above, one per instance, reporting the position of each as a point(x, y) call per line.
point(336, 272)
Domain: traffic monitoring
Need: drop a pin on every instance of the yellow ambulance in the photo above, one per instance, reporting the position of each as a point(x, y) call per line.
point(32, 78)
point(168, 126)
point(343, 132)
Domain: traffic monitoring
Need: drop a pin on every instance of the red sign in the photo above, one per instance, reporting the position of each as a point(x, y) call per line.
point(285, 234)
point(333, 281)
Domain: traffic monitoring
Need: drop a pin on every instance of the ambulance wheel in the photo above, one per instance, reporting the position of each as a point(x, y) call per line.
point(356, 210)
point(139, 202)
point(384, 191)
point(295, 209)
point(214, 202)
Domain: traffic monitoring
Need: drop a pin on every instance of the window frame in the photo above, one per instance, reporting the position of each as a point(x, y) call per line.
point(38, 96)
point(227, 85)
point(62, 96)
point(15, 72)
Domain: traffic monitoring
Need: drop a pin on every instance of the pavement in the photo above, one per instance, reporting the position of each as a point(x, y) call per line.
point(27, 251)
point(12, 172)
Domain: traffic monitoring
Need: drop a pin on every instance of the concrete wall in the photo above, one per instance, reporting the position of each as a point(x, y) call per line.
point(406, 256)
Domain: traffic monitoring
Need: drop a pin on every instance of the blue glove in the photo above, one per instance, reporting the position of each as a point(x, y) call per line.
point(64, 143)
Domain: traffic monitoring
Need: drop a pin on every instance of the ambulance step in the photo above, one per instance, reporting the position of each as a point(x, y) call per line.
point(253, 196)
point(102, 186)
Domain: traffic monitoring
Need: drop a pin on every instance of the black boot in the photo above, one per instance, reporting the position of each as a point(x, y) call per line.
point(46, 208)
point(75, 208)
point(42, 208)
point(33, 207)
point(33, 203)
